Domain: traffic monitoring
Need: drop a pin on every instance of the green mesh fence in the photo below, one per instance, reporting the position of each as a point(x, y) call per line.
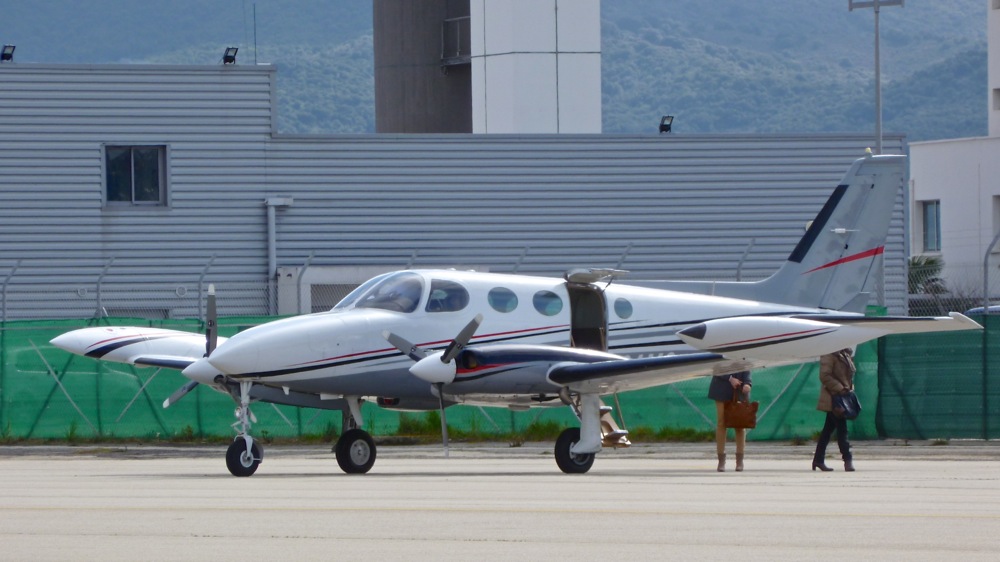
point(943, 385)
point(924, 386)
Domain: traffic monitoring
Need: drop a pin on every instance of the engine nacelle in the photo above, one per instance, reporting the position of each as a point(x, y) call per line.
point(765, 337)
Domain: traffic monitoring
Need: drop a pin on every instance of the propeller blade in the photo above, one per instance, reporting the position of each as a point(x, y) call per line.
point(211, 332)
point(462, 340)
point(410, 350)
point(179, 393)
point(444, 420)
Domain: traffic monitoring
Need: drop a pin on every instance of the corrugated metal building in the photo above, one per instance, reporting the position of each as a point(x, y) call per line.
point(127, 187)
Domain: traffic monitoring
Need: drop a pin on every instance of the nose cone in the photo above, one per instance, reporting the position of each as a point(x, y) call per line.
point(238, 356)
point(70, 341)
point(696, 332)
point(201, 371)
point(432, 370)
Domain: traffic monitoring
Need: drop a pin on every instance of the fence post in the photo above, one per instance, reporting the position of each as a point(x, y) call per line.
point(520, 260)
point(985, 387)
point(298, 283)
point(986, 313)
point(13, 270)
point(743, 259)
point(100, 312)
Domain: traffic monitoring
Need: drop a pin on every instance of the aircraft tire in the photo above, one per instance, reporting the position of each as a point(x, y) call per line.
point(355, 451)
point(568, 462)
point(237, 460)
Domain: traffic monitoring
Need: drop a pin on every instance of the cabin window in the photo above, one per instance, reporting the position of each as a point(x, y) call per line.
point(447, 296)
point(623, 308)
point(502, 299)
point(135, 175)
point(547, 303)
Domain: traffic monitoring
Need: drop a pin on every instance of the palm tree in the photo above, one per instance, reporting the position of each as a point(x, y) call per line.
point(923, 275)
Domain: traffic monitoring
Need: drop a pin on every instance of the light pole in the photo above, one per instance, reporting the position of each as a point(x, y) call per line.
point(876, 4)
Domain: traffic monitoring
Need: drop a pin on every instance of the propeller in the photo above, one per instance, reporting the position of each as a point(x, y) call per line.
point(211, 341)
point(211, 324)
point(179, 393)
point(437, 368)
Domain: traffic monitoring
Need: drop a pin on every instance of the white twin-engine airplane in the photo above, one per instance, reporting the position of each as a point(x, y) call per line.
point(428, 339)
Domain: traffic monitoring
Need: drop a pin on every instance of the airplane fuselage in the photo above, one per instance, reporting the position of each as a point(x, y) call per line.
point(345, 352)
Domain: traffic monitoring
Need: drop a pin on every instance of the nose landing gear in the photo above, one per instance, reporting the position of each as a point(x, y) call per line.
point(244, 454)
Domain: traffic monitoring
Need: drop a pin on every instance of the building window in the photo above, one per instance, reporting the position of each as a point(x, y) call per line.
point(135, 175)
point(932, 225)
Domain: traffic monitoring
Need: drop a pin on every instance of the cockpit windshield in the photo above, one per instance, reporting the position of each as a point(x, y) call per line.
point(361, 289)
point(398, 292)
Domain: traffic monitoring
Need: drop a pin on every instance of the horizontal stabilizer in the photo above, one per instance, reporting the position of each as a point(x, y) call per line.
point(806, 336)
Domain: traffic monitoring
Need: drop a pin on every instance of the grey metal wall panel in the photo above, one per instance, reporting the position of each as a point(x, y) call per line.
point(679, 206)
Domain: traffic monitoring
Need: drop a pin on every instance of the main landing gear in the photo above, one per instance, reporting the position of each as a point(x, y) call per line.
point(355, 450)
point(577, 447)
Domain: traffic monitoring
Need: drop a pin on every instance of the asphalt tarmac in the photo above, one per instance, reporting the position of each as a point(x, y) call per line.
point(907, 501)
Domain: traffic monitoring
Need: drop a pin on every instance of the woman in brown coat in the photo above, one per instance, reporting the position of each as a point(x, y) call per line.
point(836, 376)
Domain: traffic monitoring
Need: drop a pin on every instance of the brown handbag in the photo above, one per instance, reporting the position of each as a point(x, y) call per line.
point(740, 414)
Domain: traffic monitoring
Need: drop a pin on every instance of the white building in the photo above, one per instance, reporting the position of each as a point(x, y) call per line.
point(955, 193)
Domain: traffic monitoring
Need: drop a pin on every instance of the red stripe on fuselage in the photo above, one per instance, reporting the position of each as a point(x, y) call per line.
point(776, 336)
point(426, 344)
point(868, 254)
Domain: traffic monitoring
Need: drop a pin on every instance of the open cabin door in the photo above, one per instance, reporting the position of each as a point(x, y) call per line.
point(588, 316)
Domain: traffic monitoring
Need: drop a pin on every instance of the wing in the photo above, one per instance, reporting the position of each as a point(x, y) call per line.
point(165, 361)
point(776, 338)
point(172, 349)
point(901, 324)
point(634, 374)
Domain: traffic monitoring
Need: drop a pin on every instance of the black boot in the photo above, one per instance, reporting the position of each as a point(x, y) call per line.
point(821, 465)
point(848, 464)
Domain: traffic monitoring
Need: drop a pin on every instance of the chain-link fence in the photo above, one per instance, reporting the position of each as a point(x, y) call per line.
point(937, 288)
point(920, 386)
point(47, 393)
point(912, 386)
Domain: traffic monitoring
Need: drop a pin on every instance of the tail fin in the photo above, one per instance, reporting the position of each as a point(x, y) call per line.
point(833, 263)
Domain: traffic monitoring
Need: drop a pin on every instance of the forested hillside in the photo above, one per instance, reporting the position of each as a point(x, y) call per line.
point(717, 65)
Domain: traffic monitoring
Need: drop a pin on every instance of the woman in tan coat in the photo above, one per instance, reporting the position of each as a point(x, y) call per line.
point(836, 376)
point(721, 390)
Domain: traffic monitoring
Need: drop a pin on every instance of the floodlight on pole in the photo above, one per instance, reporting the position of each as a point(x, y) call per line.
point(876, 5)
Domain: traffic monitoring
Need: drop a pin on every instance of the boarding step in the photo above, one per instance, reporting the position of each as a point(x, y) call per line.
point(613, 436)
